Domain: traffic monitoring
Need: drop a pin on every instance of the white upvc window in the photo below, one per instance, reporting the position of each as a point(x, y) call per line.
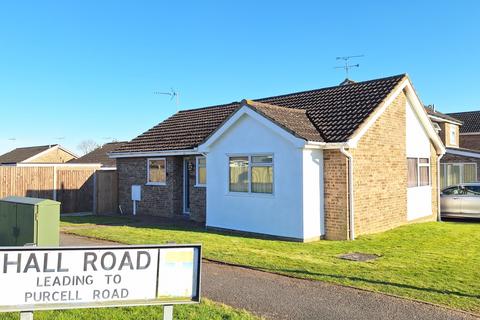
point(156, 171)
point(418, 172)
point(201, 172)
point(251, 173)
point(453, 135)
point(457, 173)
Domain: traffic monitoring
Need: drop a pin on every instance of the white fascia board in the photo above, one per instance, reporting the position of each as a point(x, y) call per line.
point(327, 145)
point(417, 107)
point(438, 119)
point(464, 153)
point(152, 154)
point(246, 111)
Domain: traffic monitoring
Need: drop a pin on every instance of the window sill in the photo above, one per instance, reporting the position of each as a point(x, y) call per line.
point(155, 184)
point(200, 186)
point(250, 194)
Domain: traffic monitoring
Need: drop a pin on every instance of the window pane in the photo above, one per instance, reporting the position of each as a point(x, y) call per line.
point(469, 172)
point(262, 159)
point(424, 176)
point(473, 190)
point(202, 170)
point(202, 175)
point(451, 191)
point(423, 160)
point(262, 179)
point(453, 174)
point(412, 178)
point(238, 174)
point(157, 171)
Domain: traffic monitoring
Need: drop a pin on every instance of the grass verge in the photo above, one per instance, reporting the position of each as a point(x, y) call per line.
point(433, 262)
point(205, 310)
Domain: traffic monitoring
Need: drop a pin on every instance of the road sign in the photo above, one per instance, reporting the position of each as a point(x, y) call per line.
point(90, 277)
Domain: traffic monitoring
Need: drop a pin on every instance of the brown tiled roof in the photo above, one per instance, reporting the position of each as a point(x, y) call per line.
point(21, 154)
point(440, 115)
point(335, 112)
point(100, 155)
point(470, 119)
point(293, 120)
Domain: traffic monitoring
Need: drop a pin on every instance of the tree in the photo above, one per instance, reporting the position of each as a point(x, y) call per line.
point(87, 146)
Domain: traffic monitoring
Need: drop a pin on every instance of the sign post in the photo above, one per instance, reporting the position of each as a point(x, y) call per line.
point(95, 277)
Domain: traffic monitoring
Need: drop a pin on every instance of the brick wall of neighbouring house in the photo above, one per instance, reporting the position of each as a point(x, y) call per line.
point(335, 195)
point(434, 178)
point(470, 141)
point(163, 201)
point(53, 156)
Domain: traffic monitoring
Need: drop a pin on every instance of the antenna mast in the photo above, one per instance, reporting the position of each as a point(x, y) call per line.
point(173, 95)
point(346, 65)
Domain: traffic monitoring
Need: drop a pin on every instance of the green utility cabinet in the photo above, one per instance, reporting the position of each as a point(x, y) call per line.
point(29, 221)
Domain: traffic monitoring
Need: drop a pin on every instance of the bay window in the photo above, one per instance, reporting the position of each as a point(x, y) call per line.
point(251, 174)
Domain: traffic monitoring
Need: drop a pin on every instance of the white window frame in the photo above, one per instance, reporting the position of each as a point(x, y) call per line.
point(150, 183)
point(249, 156)
point(418, 172)
point(462, 168)
point(197, 183)
point(453, 135)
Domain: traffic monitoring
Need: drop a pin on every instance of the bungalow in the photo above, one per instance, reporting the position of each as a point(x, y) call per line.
point(329, 163)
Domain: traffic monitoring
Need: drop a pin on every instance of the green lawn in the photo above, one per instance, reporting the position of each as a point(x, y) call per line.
point(434, 262)
point(205, 310)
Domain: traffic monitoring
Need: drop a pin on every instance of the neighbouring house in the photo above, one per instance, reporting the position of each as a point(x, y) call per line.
point(461, 160)
point(470, 130)
point(100, 155)
point(53, 153)
point(330, 163)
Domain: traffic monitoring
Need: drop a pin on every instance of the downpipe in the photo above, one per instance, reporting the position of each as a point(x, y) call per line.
point(351, 213)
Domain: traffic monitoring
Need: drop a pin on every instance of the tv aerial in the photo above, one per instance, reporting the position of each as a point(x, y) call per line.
point(174, 94)
point(346, 65)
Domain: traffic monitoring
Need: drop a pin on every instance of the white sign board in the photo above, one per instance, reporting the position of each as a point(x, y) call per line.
point(60, 278)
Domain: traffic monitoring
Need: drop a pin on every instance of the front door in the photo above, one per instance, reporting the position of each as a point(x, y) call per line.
point(186, 187)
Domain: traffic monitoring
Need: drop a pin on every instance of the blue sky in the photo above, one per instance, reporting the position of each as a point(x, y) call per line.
point(87, 69)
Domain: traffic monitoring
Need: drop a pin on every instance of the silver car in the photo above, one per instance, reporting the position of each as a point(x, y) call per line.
point(461, 201)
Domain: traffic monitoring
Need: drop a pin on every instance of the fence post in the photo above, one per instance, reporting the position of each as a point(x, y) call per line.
point(95, 195)
point(55, 183)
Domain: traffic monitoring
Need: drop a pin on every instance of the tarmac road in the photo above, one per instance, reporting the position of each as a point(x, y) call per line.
point(278, 297)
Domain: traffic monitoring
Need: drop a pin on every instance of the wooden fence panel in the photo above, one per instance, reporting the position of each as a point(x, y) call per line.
point(34, 182)
point(75, 189)
point(106, 191)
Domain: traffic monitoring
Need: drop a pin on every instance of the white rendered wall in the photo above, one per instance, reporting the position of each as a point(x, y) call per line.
point(278, 214)
point(419, 199)
point(313, 207)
